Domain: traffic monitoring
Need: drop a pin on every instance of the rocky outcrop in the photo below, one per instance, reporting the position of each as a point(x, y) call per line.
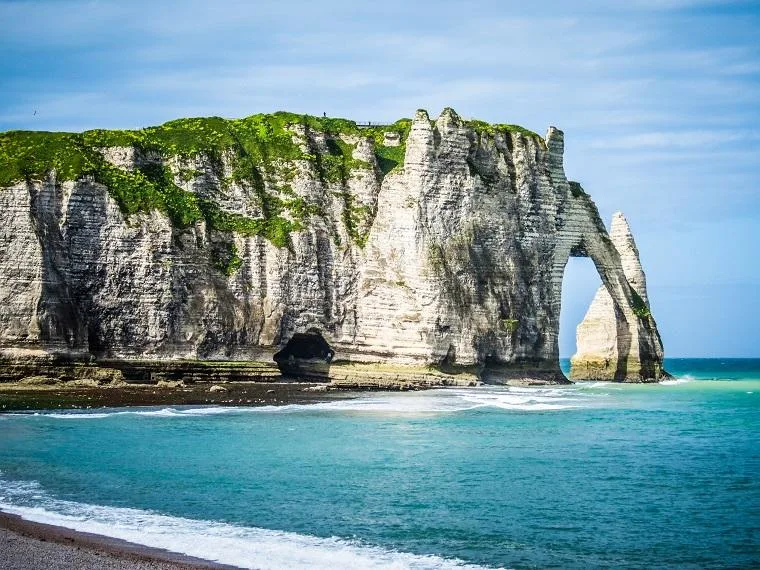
point(616, 341)
point(431, 249)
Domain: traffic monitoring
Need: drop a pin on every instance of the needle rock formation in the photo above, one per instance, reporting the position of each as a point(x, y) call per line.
point(428, 252)
point(604, 347)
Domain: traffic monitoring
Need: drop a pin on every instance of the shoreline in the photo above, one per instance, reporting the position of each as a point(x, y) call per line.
point(28, 545)
point(18, 397)
point(333, 375)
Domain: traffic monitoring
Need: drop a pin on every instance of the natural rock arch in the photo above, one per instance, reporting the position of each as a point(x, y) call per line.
point(618, 337)
point(452, 258)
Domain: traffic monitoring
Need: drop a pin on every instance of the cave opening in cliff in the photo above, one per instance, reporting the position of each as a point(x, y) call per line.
point(305, 354)
point(579, 285)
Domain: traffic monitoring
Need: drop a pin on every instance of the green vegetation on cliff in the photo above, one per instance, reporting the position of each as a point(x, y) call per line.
point(492, 129)
point(576, 189)
point(261, 152)
point(640, 308)
point(226, 258)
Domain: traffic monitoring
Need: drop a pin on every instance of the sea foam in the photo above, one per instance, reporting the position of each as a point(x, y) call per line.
point(675, 381)
point(438, 401)
point(245, 547)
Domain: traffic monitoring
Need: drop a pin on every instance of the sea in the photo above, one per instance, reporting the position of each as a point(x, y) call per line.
point(594, 475)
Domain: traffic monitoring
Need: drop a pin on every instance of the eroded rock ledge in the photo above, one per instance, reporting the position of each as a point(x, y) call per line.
point(428, 250)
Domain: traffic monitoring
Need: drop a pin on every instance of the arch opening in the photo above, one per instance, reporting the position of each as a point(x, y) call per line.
point(580, 283)
point(305, 354)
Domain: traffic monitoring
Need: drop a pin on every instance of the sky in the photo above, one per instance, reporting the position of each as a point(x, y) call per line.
point(659, 101)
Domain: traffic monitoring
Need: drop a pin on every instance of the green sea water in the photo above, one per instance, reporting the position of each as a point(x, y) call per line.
point(591, 475)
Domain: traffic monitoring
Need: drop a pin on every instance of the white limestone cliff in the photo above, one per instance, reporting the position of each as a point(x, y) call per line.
point(459, 276)
point(608, 344)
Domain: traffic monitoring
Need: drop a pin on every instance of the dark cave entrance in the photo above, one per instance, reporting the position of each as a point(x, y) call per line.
point(305, 354)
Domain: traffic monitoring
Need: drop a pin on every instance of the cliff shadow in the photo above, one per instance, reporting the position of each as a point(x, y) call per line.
point(623, 344)
point(61, 328)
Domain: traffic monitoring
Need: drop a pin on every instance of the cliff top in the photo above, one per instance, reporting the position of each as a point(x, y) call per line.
point(32, 154)
point(261, 152)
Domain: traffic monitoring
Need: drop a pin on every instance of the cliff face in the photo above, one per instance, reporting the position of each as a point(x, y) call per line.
point(423, 247)
point(607, 350)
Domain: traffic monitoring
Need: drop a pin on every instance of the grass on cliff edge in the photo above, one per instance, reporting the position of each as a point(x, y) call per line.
point(483, 127)
point(29, 155)
point(260, 148)
point(264, 139)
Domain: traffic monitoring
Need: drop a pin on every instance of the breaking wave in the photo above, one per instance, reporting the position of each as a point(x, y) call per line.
point(447, 400)
point(245, 547)
point(680, 380)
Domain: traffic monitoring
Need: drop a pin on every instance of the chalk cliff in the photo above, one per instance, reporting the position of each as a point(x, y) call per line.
point(607, 350)
point(429, 250)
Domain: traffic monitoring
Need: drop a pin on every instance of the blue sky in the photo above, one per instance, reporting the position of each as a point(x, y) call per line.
point(659, 101)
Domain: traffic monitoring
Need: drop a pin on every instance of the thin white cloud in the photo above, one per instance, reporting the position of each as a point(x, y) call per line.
point(659, 99)
point(678, 139)
point(676, 4)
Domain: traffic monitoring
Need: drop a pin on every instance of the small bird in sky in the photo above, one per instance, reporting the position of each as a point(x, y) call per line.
point(35, 112)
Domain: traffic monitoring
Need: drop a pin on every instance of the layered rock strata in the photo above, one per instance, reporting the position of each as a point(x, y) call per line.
point(443, 261)
point(607, 350)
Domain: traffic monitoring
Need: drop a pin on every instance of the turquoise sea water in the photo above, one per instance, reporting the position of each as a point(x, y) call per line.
point(591, 475)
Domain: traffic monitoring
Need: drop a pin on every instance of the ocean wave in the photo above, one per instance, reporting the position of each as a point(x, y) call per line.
point(437, 401)
point(452, 400)
point(74, 415)
point(593, 384)
point(523, 400)
point(680, 380)
point(158, 413)
point(245, 547)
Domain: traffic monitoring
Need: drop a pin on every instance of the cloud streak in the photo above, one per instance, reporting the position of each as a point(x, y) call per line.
point(677, 140)
point(658, 98)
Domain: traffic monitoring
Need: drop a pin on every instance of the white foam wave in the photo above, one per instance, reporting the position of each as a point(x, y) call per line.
point(447, 400)
point(522, 400)
point(75, 415)
point(156, 413)
point(675, 381)
point(593, 384)
point(245, 547)
point(464, 399)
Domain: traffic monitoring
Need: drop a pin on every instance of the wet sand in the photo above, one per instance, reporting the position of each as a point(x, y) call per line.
point(72, 395)
point(26, 545)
